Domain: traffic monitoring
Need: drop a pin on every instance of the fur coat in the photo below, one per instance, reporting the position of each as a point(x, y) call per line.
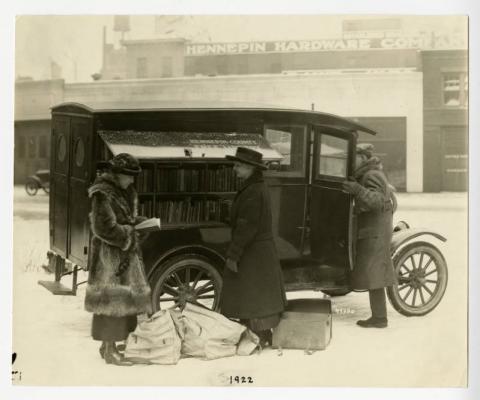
point(373, 266)
point(117, 285)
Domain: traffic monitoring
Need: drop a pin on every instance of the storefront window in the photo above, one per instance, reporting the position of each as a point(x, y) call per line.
point(455, 89)
point(20, 146)
point(289, 141)
point(32, 148)
point(42, 147)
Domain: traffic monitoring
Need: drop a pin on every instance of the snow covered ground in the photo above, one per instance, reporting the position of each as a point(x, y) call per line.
point(52, 333)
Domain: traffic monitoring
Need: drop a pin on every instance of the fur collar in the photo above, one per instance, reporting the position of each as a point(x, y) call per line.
point(373, 163)
point(108, 185)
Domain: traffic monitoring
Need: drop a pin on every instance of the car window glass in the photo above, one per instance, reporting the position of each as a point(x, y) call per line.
point(289, 141)
point(333, 156)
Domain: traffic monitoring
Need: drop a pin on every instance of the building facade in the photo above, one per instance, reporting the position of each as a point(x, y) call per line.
point(390, 84)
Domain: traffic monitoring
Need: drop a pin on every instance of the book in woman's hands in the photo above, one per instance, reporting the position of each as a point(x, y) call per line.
point(152, 224)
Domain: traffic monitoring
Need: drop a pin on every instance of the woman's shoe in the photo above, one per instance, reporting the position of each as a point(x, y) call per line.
point(101, 350)
point(117, 349)
point(117, 359)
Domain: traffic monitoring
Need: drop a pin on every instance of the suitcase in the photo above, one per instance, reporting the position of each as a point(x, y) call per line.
point(306, 324)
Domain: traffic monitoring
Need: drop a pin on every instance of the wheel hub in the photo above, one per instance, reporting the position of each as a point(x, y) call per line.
point(186, 294)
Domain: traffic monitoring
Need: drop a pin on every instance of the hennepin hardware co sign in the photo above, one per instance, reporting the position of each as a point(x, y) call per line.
point(409, 42)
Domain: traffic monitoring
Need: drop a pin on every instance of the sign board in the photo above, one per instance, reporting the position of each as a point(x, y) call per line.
point(144, 145)
point(292, 46)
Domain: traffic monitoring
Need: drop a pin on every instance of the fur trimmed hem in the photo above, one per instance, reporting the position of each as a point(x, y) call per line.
point(118, 301)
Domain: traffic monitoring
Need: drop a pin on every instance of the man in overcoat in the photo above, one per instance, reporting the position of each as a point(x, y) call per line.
point(374, 207)
point(253, 289)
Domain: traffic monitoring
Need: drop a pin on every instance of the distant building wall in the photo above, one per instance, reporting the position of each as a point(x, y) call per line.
point(155, 59)
point(380, 94)
point(33, 100)
point(445, 120)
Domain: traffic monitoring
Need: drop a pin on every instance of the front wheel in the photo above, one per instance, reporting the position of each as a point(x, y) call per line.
point(31, 187)
point(422, 277)
point(186, 278)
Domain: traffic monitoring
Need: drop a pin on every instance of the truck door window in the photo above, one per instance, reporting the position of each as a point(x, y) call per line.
point(333, 153)
point(289, 141)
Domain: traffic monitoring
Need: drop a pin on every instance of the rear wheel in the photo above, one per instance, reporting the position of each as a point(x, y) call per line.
point(31, 187)
point(422, 279)
point(186, 278)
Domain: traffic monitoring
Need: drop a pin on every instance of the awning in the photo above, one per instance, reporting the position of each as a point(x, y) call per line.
point(148, 145)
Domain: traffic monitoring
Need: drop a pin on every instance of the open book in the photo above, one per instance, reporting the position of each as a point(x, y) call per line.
point(152, 224)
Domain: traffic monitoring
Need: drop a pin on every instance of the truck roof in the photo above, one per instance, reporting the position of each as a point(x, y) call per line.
point(314, 117)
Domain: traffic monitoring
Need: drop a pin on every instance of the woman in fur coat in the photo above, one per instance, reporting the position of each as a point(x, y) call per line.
point(253, 289)
point(117, 289)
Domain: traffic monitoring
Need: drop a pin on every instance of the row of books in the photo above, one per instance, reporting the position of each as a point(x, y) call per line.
point(221, 179)
point(145, 208)
point(144, 180)
point(187, 210)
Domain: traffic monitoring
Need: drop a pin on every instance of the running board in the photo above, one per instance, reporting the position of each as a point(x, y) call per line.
point(56, 264)
point(57, 288)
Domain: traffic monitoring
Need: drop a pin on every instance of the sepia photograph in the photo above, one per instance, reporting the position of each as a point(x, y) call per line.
point(241, 201)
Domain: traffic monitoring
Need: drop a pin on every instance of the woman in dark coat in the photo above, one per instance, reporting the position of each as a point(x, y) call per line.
point(374, 207)
point(117, 288)
point(253, 289)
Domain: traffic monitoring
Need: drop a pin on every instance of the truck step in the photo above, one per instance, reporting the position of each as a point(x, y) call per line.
point(57, 288)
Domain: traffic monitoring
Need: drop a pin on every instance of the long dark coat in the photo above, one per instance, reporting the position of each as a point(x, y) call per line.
point(257, 289)
point(114, 249)
point(373, 266)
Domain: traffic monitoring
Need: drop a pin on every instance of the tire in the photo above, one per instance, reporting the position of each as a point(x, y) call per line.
point(188, 277)
point(31, 187)
point(46, 189)
point(422, 274)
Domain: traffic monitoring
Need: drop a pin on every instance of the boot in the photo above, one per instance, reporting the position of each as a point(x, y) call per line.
point(117, 349)
point(373, 322)
point(112, 356)
point(265, 337)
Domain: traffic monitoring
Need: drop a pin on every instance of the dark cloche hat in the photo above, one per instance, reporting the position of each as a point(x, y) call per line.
point(365, 149)
point(248, 156)
point(125, 164)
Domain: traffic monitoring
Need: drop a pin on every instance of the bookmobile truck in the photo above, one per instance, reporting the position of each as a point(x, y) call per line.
point(187, 183)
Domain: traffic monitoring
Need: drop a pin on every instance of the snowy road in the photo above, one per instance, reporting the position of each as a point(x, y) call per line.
point(51, 333)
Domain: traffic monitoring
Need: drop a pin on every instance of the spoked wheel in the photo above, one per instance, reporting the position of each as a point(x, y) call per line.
point(186, 278)
point(31, 187)
point(422, 279)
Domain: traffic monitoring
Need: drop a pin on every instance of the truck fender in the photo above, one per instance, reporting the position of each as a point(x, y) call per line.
point(401, 237)
point(188, 249)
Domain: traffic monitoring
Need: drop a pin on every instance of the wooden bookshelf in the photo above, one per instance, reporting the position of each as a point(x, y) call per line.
point(188, 192)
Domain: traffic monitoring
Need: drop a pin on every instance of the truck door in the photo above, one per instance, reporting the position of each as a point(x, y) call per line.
point(330, 209)
point(287, 182)
point(71, 151)
point(60, 164)
point(79, 180)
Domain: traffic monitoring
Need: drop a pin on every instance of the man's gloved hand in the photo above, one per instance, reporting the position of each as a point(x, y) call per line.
point(231, 265)
point(351, 187)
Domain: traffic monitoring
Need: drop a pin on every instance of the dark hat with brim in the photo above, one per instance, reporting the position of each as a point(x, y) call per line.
point(122, 163)
point(248, 156)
